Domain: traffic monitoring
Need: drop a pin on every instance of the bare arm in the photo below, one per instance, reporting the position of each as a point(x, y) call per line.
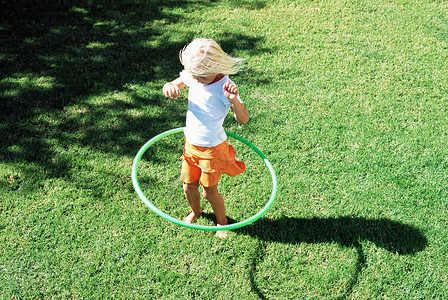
point(240, 112)
point(172, 89)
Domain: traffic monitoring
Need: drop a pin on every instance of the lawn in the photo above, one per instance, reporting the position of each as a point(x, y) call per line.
point(348, 100)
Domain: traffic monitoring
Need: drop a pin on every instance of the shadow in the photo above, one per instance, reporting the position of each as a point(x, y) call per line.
point(258, 257)
point(56, 59)
point(211, 217)
point(56, 63)
point(392, 236)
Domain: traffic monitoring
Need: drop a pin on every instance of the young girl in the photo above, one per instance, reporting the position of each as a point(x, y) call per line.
point(211, 94)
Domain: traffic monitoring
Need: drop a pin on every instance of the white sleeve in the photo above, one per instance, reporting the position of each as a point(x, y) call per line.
point(186, 78)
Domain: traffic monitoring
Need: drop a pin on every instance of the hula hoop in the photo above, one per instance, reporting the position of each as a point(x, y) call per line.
point(195, 226)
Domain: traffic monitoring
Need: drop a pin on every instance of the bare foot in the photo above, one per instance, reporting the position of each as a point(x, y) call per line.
point(192, 216)
point(222, 234)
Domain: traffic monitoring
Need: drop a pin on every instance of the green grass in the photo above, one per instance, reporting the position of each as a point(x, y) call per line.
point(348, 100)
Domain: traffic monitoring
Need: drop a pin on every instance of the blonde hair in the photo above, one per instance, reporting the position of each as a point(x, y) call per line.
point(204, 57)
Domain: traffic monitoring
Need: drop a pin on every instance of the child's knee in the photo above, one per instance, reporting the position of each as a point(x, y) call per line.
point(190, 187)
point(210, 191)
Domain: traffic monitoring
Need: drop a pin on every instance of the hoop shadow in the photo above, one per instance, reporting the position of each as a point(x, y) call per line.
point(390, 235)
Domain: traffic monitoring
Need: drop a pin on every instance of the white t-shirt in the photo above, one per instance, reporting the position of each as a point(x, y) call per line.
point(207, 109)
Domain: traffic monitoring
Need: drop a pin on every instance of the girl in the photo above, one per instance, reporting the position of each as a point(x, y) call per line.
point(211, 94)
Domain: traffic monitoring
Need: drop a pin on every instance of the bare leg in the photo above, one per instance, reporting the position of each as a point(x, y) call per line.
point(217, 203)
point(194, 200)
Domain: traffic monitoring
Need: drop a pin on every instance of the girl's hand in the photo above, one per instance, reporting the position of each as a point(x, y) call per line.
point(230, 91)
point(171, 90)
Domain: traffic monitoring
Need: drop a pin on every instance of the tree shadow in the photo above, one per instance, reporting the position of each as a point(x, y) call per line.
point(61, 57)
point(390, 235)
point(54, 60)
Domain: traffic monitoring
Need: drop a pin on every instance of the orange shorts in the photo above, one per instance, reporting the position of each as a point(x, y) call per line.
point(209, 163)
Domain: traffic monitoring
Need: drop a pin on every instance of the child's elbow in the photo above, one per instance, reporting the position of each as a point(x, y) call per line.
point(242, 116)
point(244, 120)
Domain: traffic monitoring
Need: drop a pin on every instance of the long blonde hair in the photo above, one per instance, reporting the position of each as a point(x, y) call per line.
point(204, 57)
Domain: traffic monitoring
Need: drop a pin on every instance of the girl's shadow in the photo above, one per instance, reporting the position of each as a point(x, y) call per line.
point(393, 236)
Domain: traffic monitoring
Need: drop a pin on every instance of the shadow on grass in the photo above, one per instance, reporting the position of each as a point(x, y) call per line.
point(69, 56)
point(80, 73)
point(393, 236)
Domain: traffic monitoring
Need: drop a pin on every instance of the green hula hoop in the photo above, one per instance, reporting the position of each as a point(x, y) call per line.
point(195, 226)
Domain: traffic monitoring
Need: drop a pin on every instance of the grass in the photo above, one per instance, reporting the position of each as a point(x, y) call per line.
point(348, 101)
